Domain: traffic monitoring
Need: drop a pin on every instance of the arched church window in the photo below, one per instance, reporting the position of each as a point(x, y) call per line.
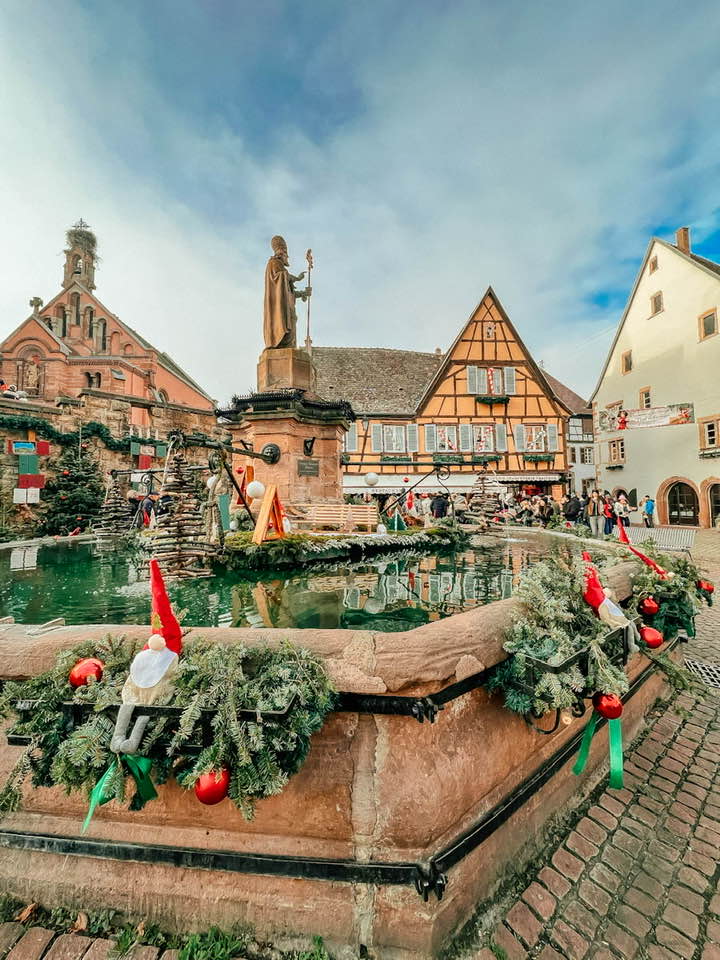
point(77, 265)
point(164, 398)
point(90, 321)
point(127, 349)
point(75, 307)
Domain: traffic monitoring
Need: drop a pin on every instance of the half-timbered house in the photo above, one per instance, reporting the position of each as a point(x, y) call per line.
point(483, 407)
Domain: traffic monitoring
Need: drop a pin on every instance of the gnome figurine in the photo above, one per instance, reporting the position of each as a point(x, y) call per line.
point(603, 604)
point(150, 680)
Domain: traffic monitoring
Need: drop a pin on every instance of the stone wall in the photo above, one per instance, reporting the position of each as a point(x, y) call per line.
point(375, 788)
point(112, 412)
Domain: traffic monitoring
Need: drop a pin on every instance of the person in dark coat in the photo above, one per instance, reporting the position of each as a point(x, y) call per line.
point(439, 506)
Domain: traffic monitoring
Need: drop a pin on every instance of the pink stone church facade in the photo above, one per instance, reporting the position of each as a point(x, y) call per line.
point(74, 345)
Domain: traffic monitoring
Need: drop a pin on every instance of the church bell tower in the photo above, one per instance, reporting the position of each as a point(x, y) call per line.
point(80, 256)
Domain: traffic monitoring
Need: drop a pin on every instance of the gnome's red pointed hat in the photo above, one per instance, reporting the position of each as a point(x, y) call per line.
point(623, 538)
point(593, 593)
point(164, 622)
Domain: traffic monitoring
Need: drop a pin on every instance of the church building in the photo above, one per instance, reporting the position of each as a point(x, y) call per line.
point(483, 407)
point(74, 345)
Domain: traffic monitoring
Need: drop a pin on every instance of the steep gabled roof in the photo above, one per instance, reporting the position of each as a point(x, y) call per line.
point(537, 372)
point(374, 379)
point(63, 347)
point(573, 401)
point(711, 268)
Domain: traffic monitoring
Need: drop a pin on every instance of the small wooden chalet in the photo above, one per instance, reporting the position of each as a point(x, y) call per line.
point(484, 407)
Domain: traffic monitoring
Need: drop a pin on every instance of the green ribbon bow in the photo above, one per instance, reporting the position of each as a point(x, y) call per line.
point(616, 749)
point(139, 770)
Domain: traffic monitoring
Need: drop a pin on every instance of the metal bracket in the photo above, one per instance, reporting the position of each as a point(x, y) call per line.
point(425, 709)
point(429, 880)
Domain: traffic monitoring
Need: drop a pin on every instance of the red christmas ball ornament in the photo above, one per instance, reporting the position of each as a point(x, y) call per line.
point(406, 479)
point(649, 606)
point(84, 669)
point(83, 446)
point(212, 787)
point(705, 585)
point(608, 705)
point(66, 473)
point(651, 637)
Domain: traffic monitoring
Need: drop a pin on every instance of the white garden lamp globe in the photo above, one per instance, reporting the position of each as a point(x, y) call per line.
point(256, 490)
point(371, 479)
point(211, 481)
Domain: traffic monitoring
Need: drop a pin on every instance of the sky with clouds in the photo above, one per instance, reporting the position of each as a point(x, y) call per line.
point(422, 150)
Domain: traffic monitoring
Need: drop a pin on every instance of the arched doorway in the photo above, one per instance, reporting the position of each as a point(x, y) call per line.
point(683, 505)
point(714, 497)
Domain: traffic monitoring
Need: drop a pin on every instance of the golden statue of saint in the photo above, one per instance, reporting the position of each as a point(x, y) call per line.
point(279, 316)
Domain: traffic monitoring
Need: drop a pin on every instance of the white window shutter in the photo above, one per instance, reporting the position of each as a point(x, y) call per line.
point(510, 380)
point(465, 436)
point(500, 437)
point(552, 437)
point(377, 438)
point(430, 438)
point(519, 437)
point(472, 379)
point(412, 438)
point(351, 439)
point(482, 381)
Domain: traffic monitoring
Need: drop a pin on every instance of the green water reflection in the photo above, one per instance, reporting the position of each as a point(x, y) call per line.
point(79, 583)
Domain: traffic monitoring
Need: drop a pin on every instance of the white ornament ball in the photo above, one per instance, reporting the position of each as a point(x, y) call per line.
point(381, 528)
point(256, 490)
point(210, 482)
point(371, 479)
point(233, 524)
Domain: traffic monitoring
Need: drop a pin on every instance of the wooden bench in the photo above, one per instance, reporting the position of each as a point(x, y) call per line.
point(666, 538)
point(335, 516)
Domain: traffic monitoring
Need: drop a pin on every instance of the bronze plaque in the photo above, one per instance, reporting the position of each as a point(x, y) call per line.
point(308, 468)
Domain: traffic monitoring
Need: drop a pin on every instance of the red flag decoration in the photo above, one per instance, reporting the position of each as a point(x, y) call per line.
point(42, 448)
point(144, 461)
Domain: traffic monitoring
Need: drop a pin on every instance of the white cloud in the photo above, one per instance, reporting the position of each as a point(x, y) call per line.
point(528, 147)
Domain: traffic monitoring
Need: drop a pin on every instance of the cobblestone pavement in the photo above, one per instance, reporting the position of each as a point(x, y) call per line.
point(637, 875)
point(33, 943)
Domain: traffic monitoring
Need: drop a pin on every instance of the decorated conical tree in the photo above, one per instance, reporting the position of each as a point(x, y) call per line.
point(73, 497)
point(113, 520)
point(178, 542)
point(484, 497)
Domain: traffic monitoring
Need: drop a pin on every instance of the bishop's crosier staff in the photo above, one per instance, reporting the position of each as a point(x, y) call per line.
point(309, 258)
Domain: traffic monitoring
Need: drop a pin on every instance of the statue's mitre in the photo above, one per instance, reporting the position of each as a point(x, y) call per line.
point(278, 243)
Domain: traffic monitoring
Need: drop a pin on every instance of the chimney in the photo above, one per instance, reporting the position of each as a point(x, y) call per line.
point(682, 239)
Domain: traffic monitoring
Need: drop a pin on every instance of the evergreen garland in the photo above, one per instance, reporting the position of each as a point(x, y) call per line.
point(679, 597)
point(558, 627)
point(261, 755)
point(47, 431)
point(74, 496)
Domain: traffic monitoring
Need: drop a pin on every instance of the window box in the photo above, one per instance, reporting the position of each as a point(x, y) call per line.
point(491, 398)
point(392, 458)
point(614, 466)
point(709, 454)
point(448, 458)
point(539, 457)
point(484, 458)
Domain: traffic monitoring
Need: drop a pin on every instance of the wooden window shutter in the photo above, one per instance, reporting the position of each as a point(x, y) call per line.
point(482, 381)
point(500, 437)
point(472, 373)
point(465, 436)
point(376, 437)
point(412, 438)
point(552, 437)
point(519, 433)
point(351, 438)
point(510, 380)
point(430, 438)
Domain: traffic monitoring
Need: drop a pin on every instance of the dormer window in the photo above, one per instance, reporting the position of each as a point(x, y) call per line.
point(656, 304)
point(653, 265)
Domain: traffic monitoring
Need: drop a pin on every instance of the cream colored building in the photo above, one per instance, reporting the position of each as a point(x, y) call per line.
point(666, 352)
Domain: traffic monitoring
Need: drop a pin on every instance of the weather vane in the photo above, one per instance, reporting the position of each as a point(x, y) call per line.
point(81, 225)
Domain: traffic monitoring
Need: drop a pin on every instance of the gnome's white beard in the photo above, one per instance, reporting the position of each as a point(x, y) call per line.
point(150, 666)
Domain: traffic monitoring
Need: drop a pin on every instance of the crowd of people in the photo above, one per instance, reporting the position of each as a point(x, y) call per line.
point(601, 512)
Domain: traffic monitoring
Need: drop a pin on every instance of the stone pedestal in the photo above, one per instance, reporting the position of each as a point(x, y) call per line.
point(283, 368)
point(300, 477)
